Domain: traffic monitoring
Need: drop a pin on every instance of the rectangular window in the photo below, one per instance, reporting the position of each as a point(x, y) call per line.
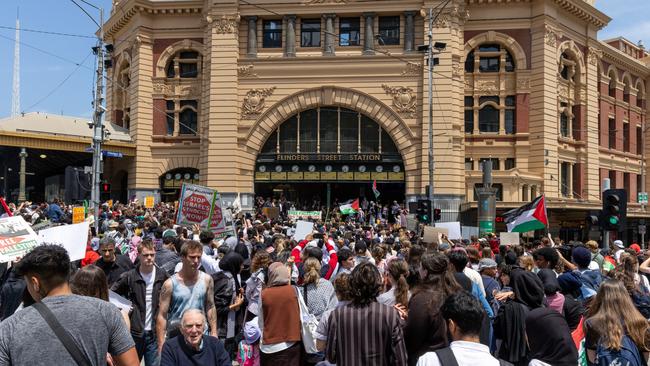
point(494, 161)
point(612, 179)
point(626, 137)
point(349, 32)
point(328, 129)
point(272, 37)
point(310, 33)
point(308, 131)
point(488, 119)
point(289, 135)
point(612, 133)
point(349, 131)
point(639, 141)
point(564, 125)
point(626, 186)
point(575, 122)
point(170, 107)
point(469, 164)
point(469, 114)
point(489, 64)
point(510, 163)
point(369, 135)
point(564, 179)
point(389, 30)
point(511, 121)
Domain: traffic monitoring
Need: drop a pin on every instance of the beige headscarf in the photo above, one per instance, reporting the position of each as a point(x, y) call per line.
point(278, 274)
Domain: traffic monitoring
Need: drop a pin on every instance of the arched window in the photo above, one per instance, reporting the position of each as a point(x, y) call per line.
point(626, 89)
point(121, 102)
point(564, 124)
point(492, 57)
point(184, 64)
point(640, 97)
point(488, 119)
point(613, 81)
point(188, 119)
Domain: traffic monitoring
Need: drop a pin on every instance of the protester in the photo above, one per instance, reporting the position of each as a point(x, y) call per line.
point(187, 289)
point(142, 286)
point(463, 315)
point(549, 339)
point(344, 296)
point(254, 285)
point(94, 325)
point(365, 332)
point(192, 347)
point(637, 285)
point(229, 300)
point(113, 264)
point(395, 279)
point(248, 353)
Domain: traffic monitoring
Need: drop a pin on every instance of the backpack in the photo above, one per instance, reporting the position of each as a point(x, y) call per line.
point(628, 355)
point(590, 282)
point(446, 358)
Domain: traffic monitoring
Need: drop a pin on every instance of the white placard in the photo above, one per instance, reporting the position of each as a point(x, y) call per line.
point(453, 227)
point(468, 231)
point(509, 238)
point(303, 228)
point(72, 237)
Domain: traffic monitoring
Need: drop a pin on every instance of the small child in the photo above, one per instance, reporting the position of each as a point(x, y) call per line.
point(248, 353)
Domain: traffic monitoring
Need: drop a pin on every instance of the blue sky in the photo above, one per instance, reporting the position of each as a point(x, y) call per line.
point(41, 73)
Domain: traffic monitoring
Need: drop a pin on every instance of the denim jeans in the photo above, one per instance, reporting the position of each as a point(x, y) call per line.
point(147, 347)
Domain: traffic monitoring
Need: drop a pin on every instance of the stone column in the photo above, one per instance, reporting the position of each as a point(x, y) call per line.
point(252, 37)
point(369, 36)
point(21, 174)
point(290, 36)
point(409, 31)
point(329, 47)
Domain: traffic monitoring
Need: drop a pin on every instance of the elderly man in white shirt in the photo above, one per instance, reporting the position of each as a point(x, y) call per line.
point(464, 316)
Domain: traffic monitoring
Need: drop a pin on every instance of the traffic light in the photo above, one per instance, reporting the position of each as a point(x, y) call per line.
point(594, 219)
point(106, 188)
point(423, 211)
point(437, 214)
point(614, 209)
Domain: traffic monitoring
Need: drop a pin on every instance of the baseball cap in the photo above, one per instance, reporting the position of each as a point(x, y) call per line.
point(619, 244)
point(636, 248)
point(486, 263)
point(169, 232)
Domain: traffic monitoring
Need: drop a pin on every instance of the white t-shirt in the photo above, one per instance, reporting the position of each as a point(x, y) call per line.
point(466, 353)
point(149, 279)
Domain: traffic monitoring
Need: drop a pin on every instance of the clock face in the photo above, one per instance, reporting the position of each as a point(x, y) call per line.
point(396, 168)
point(379, 169)
point(187, 176)
point(328, 168)
point(312, 168)
point(362, 168)
point(196, 176)
point(295, 168)
point(168, 176)
point(345, 168)
point(262, 168)
point(278, 168)
point(177, 176)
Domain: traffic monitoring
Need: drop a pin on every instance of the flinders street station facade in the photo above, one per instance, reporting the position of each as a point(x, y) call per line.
point(316, 98)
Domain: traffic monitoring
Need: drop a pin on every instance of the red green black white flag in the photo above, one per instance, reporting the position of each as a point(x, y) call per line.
point(529, 217)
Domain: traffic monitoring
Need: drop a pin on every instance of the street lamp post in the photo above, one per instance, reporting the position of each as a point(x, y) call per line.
point(430, 69)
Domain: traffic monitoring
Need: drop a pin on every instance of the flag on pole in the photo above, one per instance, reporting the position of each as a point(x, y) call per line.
point(4, 209)
point(236, 205)
point(529, 217)
point(374, 189)
point(349, 208)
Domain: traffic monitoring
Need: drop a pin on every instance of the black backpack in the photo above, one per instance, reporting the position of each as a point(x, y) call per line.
point(447, 358)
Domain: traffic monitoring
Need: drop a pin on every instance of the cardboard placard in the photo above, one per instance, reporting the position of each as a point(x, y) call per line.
point(303, 228)
point(432, 234)
point(78, 214)
point(509, 238)
point(72, 237)
point(149, 201)
point(453, 227)
point(271, 212)
point(16, 238)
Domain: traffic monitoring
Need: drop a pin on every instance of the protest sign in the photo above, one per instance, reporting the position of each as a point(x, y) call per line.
point(72, 237)
point(296, 215)
point(149, 201)
point(453, 227)
point(433, 234)
point(16, 238)
point(469, 231)
point(509, 238)
point(303, 228)
point(271, 212)
point(119, 301)
point(195, 205)
point(78, 214)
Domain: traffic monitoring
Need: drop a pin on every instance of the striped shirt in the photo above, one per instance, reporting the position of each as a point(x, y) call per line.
point(369, 335)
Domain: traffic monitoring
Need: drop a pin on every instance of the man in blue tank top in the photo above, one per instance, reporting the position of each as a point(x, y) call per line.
point(187, 289)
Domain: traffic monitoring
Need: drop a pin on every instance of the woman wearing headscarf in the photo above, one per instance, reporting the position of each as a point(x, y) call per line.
point(279, 320)
point(549, 339)
point(228, 300)
point(426, 329)
point(566, 305)
point(509, 325)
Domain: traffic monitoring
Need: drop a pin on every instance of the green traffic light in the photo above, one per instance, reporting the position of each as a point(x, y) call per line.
point(613, 220)
point(425, 218)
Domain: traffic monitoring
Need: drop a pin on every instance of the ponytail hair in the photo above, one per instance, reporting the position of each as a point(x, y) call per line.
point(398, 269)
point(312, 269)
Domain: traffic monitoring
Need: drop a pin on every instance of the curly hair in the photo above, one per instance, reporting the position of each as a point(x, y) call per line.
point(366, 284)
point(261, 259)
point(342, 287)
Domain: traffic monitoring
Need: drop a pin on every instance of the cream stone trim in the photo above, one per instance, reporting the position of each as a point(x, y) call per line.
point(574, 51)
point(170, 51)
point(510, 43)
point(175, 163)
point(389, 120)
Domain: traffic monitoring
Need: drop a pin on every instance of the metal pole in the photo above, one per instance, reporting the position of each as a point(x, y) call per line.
point(23, 170)
point(98, 133)
point(431, 166)
point(4, 183)
point(605, 243)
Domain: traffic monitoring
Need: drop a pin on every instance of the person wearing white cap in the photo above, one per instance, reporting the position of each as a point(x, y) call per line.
point(620, 248)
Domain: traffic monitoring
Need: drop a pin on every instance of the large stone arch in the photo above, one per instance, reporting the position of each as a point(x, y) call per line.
point(389, 120)
point(171, 50)
point(508, 42)
point(177, 162)
point(572, 50)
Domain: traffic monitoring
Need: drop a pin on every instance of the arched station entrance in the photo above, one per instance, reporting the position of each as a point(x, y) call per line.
point(329, 151)
point(172, 181)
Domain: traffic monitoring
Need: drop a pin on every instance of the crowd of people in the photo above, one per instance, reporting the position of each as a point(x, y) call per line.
point(351, 292)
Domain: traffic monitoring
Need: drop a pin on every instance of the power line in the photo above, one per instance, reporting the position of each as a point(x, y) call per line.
point(42, 51)
point(88, 14)
point(48, 32)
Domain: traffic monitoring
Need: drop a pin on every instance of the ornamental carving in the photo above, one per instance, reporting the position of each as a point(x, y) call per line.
point(226, 24)
point(456, 69)
point(523, 84)
point(189, 91)
point(162, 88)
point(404, 100)
point(487, 87)
point(550, 36)
point(594, 55)
point(246, 71)
point(412, 69)
point(457, 14)
point(254, 102)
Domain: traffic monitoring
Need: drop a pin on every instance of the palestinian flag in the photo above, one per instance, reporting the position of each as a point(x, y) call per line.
point(374, 189)
point(4, 209)
point(529, 217)
point(349, 208)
